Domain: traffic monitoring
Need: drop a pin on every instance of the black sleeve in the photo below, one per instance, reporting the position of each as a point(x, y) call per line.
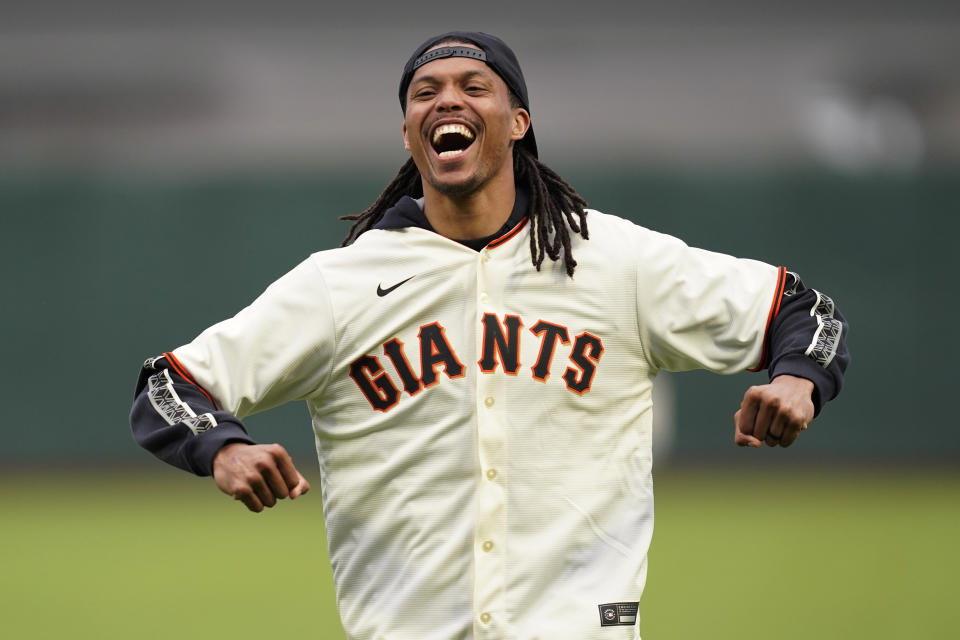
point(178, 421)
point(808, 339)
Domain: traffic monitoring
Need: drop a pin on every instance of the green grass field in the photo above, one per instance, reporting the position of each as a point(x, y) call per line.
point(773, 554)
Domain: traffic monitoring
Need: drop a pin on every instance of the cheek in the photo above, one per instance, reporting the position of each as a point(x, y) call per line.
point(499, 137)
point(502, 127)
point(411, 133)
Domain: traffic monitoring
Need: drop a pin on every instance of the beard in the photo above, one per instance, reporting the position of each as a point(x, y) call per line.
point(486, 170)
point(460, 189)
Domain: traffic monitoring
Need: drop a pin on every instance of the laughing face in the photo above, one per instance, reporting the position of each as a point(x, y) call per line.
point(460, 125)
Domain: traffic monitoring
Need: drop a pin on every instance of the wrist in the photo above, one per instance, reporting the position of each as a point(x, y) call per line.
point(224, 450)
point(794, 381)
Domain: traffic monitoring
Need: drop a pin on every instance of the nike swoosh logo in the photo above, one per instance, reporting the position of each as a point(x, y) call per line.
point(382, 292)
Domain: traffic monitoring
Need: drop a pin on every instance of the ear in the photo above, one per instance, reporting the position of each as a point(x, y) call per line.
point(521, 123)
point(406, 142)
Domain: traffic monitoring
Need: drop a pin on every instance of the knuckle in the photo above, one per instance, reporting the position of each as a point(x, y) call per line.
point(792, 421)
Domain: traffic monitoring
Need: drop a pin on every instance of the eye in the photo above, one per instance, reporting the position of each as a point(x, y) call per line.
point(423, 94)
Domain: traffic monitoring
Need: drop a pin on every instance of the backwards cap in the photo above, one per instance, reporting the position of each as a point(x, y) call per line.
point(493, 51)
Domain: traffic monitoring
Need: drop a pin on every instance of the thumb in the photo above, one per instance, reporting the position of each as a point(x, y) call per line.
point(740, 438)
point(302, 487)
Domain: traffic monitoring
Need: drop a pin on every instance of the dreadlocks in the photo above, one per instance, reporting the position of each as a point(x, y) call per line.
point(556, 208)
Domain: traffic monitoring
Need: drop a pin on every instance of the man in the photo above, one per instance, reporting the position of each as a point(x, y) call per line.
point(483, 415)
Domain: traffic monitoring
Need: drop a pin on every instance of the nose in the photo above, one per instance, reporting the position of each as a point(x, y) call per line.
point(449, 99)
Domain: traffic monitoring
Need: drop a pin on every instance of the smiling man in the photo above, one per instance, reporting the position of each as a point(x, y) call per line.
point(460, 127)
point(482, 415)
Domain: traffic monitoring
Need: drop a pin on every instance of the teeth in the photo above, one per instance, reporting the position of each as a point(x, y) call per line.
point(444, 129)
point(450, 154)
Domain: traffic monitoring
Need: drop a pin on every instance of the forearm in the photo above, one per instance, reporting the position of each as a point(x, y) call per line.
point(808, 340)
point(179, 422)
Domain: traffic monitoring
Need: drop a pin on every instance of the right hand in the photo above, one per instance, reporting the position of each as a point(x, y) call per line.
point(257, 474)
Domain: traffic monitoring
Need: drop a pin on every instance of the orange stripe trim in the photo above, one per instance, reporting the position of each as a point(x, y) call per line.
point(499, 241)
point(182, 370)
point(774, 310)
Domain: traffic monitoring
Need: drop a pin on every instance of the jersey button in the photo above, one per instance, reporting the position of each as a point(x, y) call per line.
point(491, 474)
point(485, 256)
point(485, 617)
point(488, 546)
point(488, 401)
point(484, 298)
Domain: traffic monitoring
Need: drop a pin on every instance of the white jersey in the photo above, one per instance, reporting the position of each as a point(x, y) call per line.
point(483, 428)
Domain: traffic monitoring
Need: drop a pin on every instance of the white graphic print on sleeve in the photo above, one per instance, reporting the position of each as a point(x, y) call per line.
point(171, 408)
point(826, 338)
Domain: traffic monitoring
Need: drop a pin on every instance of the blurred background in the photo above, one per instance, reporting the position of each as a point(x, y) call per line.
point(161, 164)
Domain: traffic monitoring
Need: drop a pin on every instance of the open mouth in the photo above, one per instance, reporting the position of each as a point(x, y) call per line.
point(451, 140)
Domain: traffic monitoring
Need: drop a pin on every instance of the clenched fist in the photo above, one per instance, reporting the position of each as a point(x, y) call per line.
point(257, 474)
point(774, 413)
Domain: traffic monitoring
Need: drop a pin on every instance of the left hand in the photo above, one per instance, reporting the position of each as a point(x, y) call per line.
point(774, 413)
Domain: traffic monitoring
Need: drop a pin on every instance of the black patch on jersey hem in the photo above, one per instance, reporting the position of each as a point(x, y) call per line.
point(618, 614)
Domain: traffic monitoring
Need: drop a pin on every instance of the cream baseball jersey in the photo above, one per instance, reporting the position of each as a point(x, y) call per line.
point(483, 429)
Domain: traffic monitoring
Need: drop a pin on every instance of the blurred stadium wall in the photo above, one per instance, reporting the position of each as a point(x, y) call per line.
point(161, 164)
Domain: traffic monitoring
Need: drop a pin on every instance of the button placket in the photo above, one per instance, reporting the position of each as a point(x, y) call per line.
point(490, 526)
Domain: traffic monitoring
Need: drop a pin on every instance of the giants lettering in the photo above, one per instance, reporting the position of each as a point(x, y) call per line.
point(394, 350)
point(585, 354)
point(378, 390)
point(551, 333)
point(500, 347)
point(435, 350)
point(495, 344)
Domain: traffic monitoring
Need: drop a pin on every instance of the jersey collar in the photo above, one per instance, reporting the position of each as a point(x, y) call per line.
point(408, 212)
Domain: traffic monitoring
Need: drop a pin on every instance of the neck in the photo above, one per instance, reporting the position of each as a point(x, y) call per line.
point(474, 215)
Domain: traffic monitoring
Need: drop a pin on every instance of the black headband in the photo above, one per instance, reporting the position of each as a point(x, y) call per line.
point(449, 52)
point(489, 49)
